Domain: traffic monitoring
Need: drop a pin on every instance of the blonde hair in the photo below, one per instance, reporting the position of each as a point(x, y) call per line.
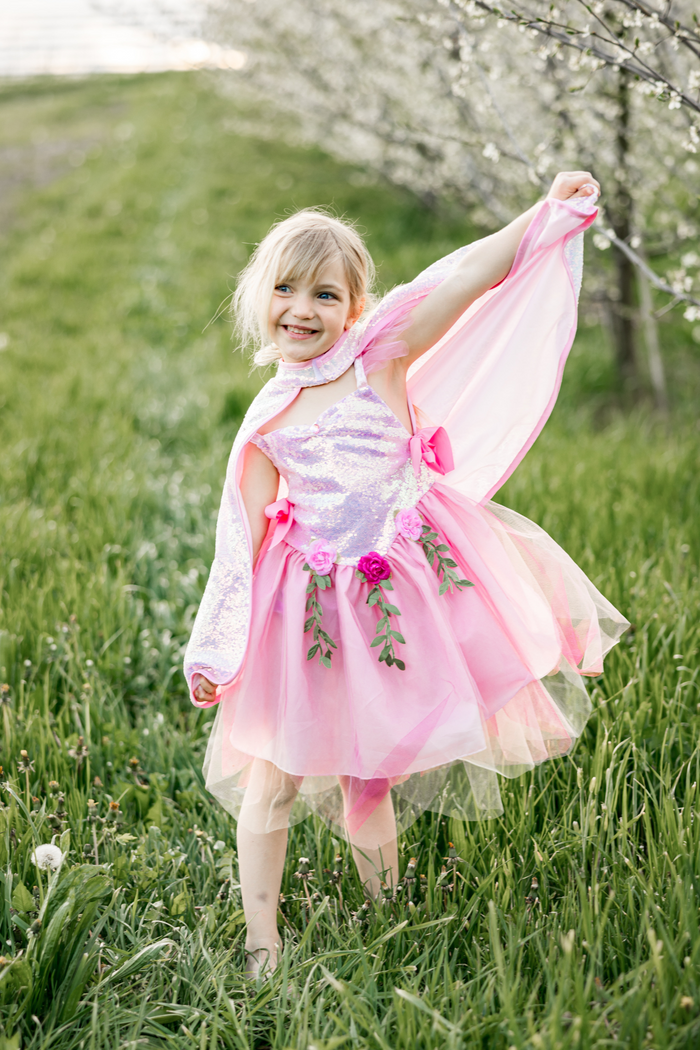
point(300, 246)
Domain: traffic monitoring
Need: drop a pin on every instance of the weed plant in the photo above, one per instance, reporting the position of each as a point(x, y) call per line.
point(572, 922)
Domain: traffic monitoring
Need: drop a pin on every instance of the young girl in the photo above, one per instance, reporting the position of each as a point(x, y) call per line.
point(382, 639)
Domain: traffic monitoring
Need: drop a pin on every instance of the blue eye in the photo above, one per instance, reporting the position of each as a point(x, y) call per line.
point(282, 288)
point(328, 294)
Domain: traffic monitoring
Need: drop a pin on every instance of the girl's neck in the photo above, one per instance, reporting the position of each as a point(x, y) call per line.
point(319, 359)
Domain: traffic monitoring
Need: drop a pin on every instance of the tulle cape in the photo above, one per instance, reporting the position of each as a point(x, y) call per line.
point(491, 382)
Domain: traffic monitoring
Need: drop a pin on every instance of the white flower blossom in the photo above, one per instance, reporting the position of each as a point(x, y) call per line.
point(453, 101)
point(481, 104)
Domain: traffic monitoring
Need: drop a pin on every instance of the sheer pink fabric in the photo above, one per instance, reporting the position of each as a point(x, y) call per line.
point(493, 680)
point(493, 379)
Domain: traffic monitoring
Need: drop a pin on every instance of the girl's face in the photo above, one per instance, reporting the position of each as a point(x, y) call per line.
point(307, 318)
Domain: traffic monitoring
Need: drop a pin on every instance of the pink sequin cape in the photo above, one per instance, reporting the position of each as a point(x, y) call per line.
point(491, 382)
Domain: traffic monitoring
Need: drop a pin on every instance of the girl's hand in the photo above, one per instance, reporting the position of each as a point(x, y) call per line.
point(204, 690)
point(569, 184)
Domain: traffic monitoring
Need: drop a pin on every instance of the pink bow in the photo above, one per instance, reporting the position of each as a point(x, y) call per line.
point(432, 446)
point(282, 513)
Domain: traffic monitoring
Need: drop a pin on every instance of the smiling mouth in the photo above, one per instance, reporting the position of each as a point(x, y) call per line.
point(295, 329)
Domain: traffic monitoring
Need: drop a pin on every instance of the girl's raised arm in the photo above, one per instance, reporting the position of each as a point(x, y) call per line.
point(486, 265)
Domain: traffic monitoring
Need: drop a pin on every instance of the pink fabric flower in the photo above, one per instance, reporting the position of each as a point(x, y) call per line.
point(409, 524)
point(374, 567)
point(320, 556)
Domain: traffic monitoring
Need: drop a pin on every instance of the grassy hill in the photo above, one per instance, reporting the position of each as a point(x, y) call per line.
point(127, 208)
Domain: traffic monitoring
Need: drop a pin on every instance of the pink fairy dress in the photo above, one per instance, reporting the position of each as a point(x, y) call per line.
point(493, 671)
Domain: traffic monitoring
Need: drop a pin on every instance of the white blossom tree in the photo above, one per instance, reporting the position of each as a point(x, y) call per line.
point(457, 99)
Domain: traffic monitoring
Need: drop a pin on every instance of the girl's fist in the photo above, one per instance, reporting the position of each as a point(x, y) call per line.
point(569, 184)
point(203, 689)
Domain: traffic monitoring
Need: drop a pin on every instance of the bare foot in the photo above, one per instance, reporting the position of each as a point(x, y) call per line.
point(260, 962)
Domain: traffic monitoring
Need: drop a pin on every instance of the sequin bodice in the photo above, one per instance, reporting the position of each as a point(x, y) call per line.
point(348, 474)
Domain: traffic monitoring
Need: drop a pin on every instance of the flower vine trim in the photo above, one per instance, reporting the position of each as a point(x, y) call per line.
point(375, 570)
point(444, 566)
point(384, 631)
point(313, 606)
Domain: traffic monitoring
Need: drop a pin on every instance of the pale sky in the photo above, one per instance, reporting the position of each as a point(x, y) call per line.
point(106, 36)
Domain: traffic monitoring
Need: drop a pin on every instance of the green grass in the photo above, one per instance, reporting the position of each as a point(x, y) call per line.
point(117, 414)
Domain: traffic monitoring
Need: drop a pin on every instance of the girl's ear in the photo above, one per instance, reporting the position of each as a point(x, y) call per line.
point(355, 313)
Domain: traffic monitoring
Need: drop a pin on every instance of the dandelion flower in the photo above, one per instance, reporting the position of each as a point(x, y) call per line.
point(47, 856)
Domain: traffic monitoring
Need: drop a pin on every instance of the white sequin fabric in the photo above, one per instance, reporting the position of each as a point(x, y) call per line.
point(348, 474)
point(573, 253)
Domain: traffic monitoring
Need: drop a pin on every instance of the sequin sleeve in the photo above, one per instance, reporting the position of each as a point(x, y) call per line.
point(219, 637)
point(217, 644)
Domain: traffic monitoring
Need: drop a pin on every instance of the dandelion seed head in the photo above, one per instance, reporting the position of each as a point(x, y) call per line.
point(47, 856)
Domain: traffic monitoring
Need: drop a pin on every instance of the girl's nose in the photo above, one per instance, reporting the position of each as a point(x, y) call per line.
point(303, 307)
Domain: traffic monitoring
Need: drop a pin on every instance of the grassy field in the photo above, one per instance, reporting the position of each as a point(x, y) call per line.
point(572, 922)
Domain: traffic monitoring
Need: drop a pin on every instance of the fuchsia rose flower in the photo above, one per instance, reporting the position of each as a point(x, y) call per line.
point(409, 524)
point(374, 567)
point(320, 556)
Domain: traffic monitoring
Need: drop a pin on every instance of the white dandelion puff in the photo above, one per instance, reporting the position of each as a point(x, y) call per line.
point(47, 856)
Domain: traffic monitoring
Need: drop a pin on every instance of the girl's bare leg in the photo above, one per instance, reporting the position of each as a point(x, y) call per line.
point(374, 846)
point(262, 848)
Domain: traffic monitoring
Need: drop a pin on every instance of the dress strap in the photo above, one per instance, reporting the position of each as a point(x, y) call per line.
point(259, 440)
point(360, 372)
point(412, 415)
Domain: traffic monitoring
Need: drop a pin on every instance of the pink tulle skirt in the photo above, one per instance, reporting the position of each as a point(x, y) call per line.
point(493, 680)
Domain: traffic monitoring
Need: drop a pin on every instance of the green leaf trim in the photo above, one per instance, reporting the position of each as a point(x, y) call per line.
point(385, 635)
point(444, 566)
point(321, 638)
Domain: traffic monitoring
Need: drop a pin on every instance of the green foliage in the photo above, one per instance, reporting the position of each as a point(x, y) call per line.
point(572, 922)
point(314, 620)
point(385, 634)
point(444, 566)
point(235, 407)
